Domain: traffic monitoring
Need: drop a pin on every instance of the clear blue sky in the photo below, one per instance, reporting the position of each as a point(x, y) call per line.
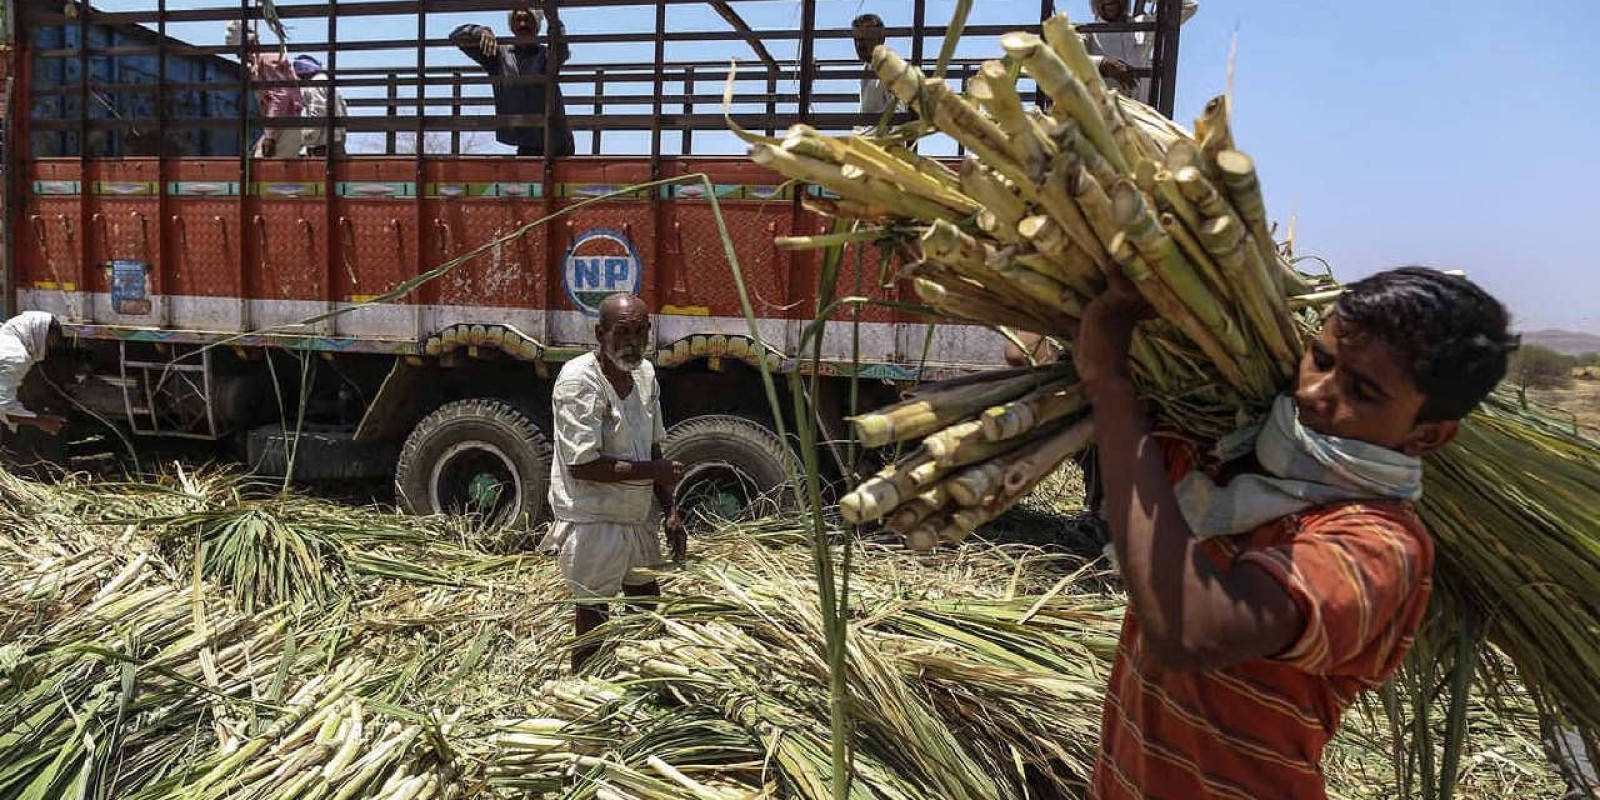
point(1449, 134)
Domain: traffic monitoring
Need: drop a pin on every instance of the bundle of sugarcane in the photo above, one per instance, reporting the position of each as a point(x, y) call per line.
point(1022, 234)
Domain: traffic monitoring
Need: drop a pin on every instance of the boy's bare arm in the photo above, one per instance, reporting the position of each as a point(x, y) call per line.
point(1193, 615)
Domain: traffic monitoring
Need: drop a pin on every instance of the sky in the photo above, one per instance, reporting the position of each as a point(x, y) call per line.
point(1454, 135)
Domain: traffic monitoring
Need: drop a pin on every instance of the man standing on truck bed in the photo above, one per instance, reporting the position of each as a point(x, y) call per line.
point(1117, 55)
point(608, 469)
point(279, 99)
point(321, 101)
point(866, 31)
point(516, 68)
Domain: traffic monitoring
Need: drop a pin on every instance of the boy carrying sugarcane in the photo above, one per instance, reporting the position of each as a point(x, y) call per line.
point(1271, 583)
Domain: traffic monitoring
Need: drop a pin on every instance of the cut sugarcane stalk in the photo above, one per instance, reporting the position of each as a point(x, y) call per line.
point(943, 404)
point(1077, 272)
point(970, 127)
point(1021, 476)
point(1096, 205)
point(1202, 193)
point(1055, 195)
point(1043, 288)
point(991, 224)
point(1025, 472)
point(1162, 255)
point(978, 484)
point(1238, 173)
point(1224, 238)
point(992, 194)
point(1070, 97)
point(920, 508)
point(1196, 254)
point(1073, 265)
point(1067, 137)
point(1171, 198)
point(963, 444)
point(900, 77)
point(1062, 36)
point(1131, 142)
point(885, 491)
point(993, 89)
point(1170, 307)
point(923, 539)
point(1025, 415)
point(1182, 153)
point(955, 248)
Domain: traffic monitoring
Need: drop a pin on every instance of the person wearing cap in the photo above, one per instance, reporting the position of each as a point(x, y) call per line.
point(319, 97)
point(279, 99)
point(518, 68)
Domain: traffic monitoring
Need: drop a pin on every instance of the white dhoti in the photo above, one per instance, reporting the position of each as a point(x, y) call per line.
point(599, 558)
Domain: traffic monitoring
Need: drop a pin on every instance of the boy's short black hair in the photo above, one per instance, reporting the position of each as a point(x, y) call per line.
point(867, 21)
point(1454, 336)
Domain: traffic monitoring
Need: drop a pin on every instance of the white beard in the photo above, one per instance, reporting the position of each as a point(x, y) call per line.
point(626, 363)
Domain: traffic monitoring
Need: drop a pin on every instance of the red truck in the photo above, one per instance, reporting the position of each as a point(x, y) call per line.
point(263, 304)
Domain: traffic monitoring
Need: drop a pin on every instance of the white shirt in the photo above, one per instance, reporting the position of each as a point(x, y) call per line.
point(314, 97)
point(592, 421)
point(874, 97)
point(23, 341)
point(1136, 49)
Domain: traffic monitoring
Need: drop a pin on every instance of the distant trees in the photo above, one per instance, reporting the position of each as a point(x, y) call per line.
point(1535, 367)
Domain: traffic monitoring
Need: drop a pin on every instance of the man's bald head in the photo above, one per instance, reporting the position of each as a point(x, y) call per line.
point(619, 306)
point(624, 330)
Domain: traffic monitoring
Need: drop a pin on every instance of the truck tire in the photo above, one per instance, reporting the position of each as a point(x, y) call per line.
point(734, 468)
point(480, 457)
point(323, 453)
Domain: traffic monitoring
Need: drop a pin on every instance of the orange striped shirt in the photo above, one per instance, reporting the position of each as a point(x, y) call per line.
point(1361, 574)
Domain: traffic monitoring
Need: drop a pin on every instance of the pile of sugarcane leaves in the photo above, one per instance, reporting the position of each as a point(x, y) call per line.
point(198, 636)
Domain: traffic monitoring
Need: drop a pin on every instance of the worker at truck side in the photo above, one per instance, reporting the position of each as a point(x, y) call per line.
point(1274, 579)
point(512, 65)
point(610, 488)
point(866, 31)
point(1118, 54)
point(25, 340)
point(277, 101)
point(320, 100)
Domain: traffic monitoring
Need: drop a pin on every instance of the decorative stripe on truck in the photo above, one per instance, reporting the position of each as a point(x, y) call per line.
point(431, 330)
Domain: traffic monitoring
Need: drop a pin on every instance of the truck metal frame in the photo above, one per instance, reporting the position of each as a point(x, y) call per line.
point(189, 275)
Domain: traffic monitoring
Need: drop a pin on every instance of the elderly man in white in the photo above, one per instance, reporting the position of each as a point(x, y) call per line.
point(608, 477)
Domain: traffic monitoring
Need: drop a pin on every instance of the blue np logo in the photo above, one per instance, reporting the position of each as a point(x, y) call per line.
point(598, 264)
